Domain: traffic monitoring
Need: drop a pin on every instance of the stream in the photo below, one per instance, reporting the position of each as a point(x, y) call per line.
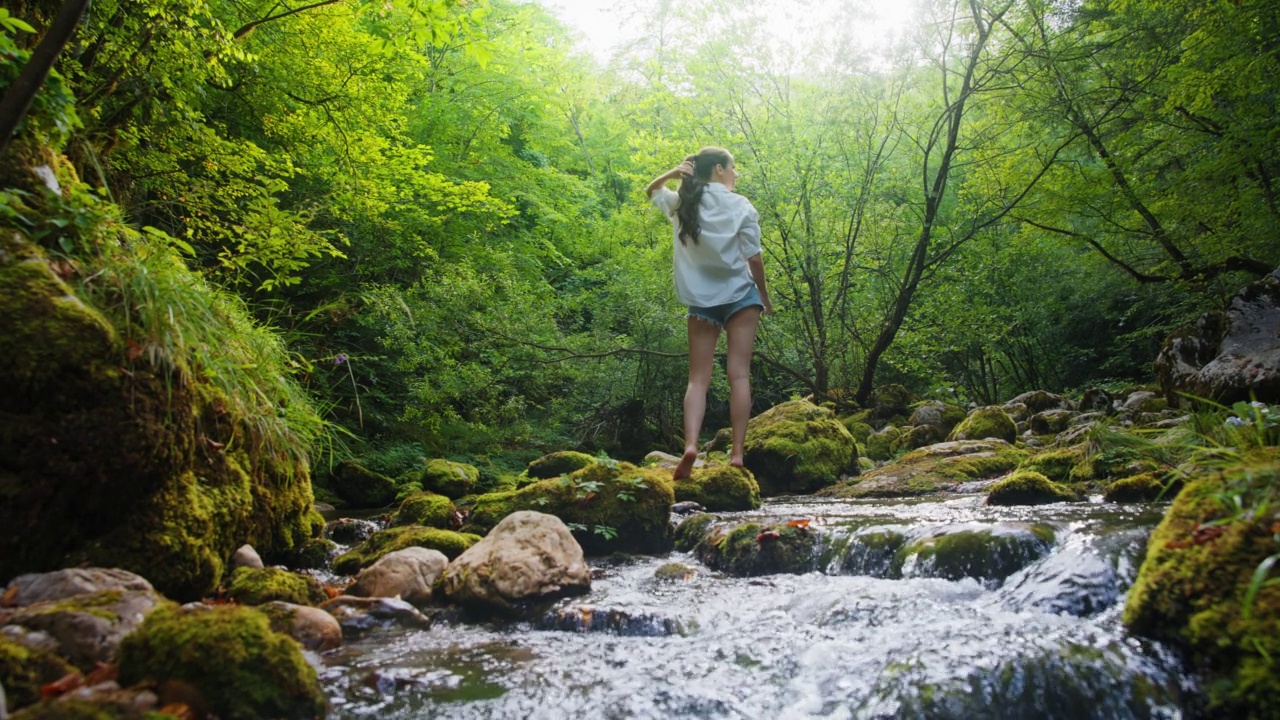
point(1024, 633)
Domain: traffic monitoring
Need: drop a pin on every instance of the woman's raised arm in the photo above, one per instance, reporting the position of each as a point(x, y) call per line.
point(683, 170)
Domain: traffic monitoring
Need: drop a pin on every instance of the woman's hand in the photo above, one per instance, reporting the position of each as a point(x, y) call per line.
point(684, 169)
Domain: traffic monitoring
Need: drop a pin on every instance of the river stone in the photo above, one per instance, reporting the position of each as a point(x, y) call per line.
point(613, 621)
point(988, 554)
point(359, 615)
point(667, 461)
point(349, 531)
point(407, 574)
point(59, 584)
point(89, 626)
point(246, 556)
point(527, 556)
point(935, 468)
point(1142, 401)
point(1051, 422)
point(798, 447)
point(986, 422)
point(1228, 356)
point(1096, 400)
point(1037, 401)
point(313, 628)
point(937, 414)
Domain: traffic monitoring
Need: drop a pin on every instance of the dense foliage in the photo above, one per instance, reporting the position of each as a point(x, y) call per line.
point(438, 203)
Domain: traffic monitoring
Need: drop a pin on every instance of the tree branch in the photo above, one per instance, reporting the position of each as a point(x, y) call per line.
point(248, 28)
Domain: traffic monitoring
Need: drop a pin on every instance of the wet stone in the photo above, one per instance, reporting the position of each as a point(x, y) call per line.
point(985, 554)
point(614, 621)
point(349, 531)
point(359, 616)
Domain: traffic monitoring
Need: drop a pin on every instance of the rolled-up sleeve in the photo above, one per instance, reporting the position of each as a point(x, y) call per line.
point(749, 232)
point(666, 200)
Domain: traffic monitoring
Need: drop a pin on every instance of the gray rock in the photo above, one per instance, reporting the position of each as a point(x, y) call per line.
point(349, 531)
point(1228, 356)
point(313, 628)
point(360, 615)
point(59, 584)
point(1140, 401)
point(246, 556)
point(1051, 422)
point(89, 627)
point(527, 556)
point(688, 507)
point(408, 574)
point(1037, 401)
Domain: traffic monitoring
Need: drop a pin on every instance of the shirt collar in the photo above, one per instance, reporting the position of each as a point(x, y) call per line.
point(718, 187)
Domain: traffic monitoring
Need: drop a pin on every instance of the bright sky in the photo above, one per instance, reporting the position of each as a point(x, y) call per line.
point(607, 24)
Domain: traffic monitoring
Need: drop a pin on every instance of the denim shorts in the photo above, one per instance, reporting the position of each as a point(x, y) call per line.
point(718, 315)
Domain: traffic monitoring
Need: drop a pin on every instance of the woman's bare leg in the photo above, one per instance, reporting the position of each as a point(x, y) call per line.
point(702, 352)
point(741, 329)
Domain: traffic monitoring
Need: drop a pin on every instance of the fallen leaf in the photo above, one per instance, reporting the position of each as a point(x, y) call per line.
point(102, 673)
point(767, 535)
point(798, 523)
point(62, 685)
point(10, 597)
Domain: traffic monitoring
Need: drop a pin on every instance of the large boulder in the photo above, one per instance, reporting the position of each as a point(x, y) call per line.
point(408, 574)
point(937, 414)
point(609, 506)
point(59, 584)
point(558, 463)
point(449, 478)
point(1198, 588)
point(1227, 356)
point(383, 542)
point(255, 586)
point(1037, 401)
point(936, 468)
point(988, 554)
point(427, 509)
point(527, 556)
point(720, 488)
point(798, 447)
point(360, 487)
point(751, 548)
point(231, 656)
point(986, 422)
point(313, 628)
point(110, 459)
point(1027, 487)
point(88, 627)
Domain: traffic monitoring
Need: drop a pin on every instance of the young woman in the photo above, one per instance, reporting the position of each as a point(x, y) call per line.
point(720, 276)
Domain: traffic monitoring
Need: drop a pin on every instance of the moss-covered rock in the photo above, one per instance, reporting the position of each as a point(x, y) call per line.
point(314, 554)
point(610, 507)
point(986, 422)
point(230, 654)
point(1192, 586)
point(360, 487)
point(1055, 464)
point(691, 530)
point(452, 544)
point(23, 670)
point(428, 509)
point(882, 445)
point(936, 468)
point(983, 554)
point(449, 478)
point(1027, 487)
point(255, 586)
point(1051, 422)
point(1145, 487)
point(859, 430)
point(720, 488)
point(558, 463)
point(119, 707)
point(750, 549)
point(937, 414)
point(891, 401)
point(798, 447)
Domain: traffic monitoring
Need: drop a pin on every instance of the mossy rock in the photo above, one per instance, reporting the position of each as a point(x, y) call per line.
point(610, 507)
point(989, 555)
point(449, 478)
point(720, 488)
point(451, 543)
point(1191, 588)
point(1055, 464)
point(871, 551)
point(986, 422)
point(427, 509)
point(23, 670)
point(243, 669)
point(256, 586)
point(1146, 487)
point(722, 441)
point(937, 414)
point(1027, 487)
point(798, 447)
point(881, 445)
point(314, 554)
point(936, 468)
point(109, 709)
point(558, 463)
point(918, 436)
point(859, 430)
point(360, 487)
point(890, 401)
point(751, 549)
point(691, 530)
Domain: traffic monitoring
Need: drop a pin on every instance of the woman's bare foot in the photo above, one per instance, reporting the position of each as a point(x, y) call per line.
point(685, 468)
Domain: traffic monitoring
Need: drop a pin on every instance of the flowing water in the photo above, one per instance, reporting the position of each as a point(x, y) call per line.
point(1032, 630)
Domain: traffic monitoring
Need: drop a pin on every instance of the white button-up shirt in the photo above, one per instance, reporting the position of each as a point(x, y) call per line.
point(714, 271)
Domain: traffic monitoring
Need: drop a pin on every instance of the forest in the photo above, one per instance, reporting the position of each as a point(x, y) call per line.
point(437, 206)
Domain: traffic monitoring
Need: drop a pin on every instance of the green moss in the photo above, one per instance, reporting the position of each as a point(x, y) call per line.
point(361, 487)
point(1146, 487)
point(1055, 464)
point(1027, 487)
point(751, 549)
point(691, 530)
point(255, 586)
point(859, 430)
point(798, 447)
point(449, 478)
point(881, 445)
point(312, 555)
point(933, 469)
point(558, 463)
point(23, 670)
point(63, 709)
point(986, 422)
point(720, 488)
point(990, 555)
point(1191, 588)
point(230, 654)
point(428, 509)
point(452, 544)
point(630, 503)
point(674, 572)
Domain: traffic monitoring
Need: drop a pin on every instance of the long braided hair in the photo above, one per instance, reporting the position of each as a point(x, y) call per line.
point(691, 189)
